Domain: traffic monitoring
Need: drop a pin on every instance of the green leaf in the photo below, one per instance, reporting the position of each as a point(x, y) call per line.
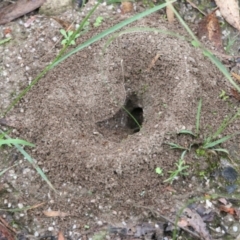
point(63, 32)
point(30, 160)
point(73, 42)
point(70, 33)
point(64, 42)
point(187, 132)
point(159, 171)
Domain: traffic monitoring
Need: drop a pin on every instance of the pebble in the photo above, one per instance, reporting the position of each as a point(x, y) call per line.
point(100, 223)
point(50, 229)
point(20, 205)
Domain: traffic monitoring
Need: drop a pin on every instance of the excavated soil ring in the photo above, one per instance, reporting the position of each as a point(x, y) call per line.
point(86, 142)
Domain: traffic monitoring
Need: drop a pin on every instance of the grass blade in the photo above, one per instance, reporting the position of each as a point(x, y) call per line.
point(176, 146)
point(217, 142)
point(5, 40)
point(15, 141)
point(221, 150)
point(206, 52)
point(30, 160)
point(224, 124)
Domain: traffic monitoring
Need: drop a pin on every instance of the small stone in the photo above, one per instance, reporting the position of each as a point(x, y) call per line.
point(235, 228)
point(20, 205)
point(54, 39)
point(230, 174)
point(100, 223)
point(50, 229)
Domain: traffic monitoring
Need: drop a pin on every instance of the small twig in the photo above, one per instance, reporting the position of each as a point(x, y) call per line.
point(154, 60)
point(194, 6)
point(169, 220)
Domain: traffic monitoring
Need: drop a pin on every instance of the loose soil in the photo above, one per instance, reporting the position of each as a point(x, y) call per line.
point(99, 160)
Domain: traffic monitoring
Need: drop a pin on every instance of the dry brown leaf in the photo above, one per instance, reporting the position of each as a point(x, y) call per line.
point(6, 231)
point(60, 236)
point(236, 76)
point(182, 223)
point(65, 24)
point(235, 94)
point(209, 27)
point(229, 10)
point(126, 7)
point(170, 189)
point(196, 222)
point(223, 201)
point(227, 209)
point(55, 214)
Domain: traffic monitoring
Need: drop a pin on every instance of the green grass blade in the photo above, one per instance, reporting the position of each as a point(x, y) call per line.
point(111, 30)
point(182, 22)
point(30, 160)
point(206, 52)
point(134, 119)
point(224, 124)
point(221, 67)
point(221, 150)
point(198, 116)
point(15, 141)
point(183, 154)
point(38, 169)
point(5, 40)
point(217, 142)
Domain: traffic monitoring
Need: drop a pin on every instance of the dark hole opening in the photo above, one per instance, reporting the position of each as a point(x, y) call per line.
point(135, 120)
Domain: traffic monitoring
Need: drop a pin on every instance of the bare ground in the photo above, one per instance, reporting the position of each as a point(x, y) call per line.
point(98, 159)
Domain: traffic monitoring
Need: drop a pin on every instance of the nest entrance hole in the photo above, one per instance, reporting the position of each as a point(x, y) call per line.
point(127, 121)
